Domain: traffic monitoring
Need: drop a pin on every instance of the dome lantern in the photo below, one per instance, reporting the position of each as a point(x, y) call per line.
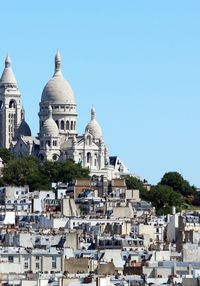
point(57, 64)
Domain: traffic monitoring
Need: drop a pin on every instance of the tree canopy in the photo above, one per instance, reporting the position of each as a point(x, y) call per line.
point(173, 190)
point(178, 183)
point(5, 155)
point(163, 198)
point(39, 175)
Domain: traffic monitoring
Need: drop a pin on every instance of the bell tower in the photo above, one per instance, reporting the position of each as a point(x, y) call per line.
point(10, 106)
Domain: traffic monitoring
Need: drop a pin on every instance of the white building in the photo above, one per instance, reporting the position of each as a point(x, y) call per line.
point(58, 138)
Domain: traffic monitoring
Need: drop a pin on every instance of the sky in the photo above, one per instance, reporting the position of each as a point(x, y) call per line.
point(136, 62)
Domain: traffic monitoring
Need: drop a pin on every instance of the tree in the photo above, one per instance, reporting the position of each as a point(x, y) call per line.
point(30, 171)
point(163, 198)
point(70, 170)
point(24, 171)
point(178, 183)
point(50, 170)
point(5, 155)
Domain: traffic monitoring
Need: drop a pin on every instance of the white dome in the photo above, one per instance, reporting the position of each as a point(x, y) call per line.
point(58, 90)
point(93, 126)
point(50, 128)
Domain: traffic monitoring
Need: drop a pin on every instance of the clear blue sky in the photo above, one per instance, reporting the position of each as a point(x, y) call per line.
point(137, 62)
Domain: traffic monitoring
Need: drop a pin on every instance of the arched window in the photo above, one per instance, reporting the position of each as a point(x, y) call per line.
point(95, 160)
point(62, 125)
point(88, 157)
point(67, 125)
point(12, 104)
point(72, 125)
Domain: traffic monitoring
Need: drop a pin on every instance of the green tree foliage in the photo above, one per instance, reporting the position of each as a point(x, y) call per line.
point(30, 171)
point(163, 198)
point(63, 171)
point(5, 155)
point(178, 183)
point(24, 171)
point(181, 186)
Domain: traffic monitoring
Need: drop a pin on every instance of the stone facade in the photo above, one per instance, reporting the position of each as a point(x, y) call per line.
point(57, 138)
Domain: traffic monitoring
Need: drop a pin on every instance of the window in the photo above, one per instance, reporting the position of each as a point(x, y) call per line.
point(95, 160)
point(55, 157)
point(12, 104)
point(62, 125)
point(53, 261)
point(25, 265)
point(88, 157)
point(37, 265)
point(37, 258)
point(72, 125)
point(10, 258)
point(67, 125)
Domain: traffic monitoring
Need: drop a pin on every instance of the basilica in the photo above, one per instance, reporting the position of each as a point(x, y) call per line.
point(57, 139)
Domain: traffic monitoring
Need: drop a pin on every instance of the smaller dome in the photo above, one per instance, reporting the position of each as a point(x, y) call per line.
point(50, 128)
point(93, 126)
point(23, 129)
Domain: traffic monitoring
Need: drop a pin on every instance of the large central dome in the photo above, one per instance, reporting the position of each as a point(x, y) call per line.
point(58, 90)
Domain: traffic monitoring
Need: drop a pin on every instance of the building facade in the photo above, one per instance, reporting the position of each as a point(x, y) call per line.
point(57, 138)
